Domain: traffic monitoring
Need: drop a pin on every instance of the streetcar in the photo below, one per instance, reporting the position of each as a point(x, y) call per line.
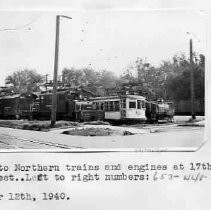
point(122, 108)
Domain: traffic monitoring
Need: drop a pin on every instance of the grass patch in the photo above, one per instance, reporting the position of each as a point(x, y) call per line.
point(96, 132)
point(90, 132)
point(96, 123)
point(36, 125)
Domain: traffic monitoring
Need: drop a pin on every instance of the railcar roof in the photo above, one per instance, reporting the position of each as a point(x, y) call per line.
point(117, 97)
point(58, 92)
point(136, 97)
point(83, 102)
point(11, 96)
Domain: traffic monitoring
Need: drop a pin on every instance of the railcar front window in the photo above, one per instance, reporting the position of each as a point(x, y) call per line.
point(132, 105)
point(143, 104)
point(139, 104)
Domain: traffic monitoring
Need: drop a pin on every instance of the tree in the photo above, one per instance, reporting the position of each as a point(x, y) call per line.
point(107, 79)
point(170, 80)
point(178, 83)
point(25, 80)
point(72, 77)
point(142, 78)
point(89, 78)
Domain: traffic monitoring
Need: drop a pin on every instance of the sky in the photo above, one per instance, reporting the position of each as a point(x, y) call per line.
point(101, 38)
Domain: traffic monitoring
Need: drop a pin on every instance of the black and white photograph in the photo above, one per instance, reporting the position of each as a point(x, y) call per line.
point(104, 105)
point(102, 80)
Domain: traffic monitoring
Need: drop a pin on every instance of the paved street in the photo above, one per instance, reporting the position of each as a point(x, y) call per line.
point(10, 141)
point(172, 137)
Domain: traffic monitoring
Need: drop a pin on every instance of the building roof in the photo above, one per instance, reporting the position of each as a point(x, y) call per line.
point(34, 95)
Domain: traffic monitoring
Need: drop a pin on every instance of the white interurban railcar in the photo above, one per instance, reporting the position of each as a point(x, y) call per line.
point(127, 107)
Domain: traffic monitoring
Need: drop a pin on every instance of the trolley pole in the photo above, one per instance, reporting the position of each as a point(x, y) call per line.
point(192, 81)
point(46, 81)
point(56, 59)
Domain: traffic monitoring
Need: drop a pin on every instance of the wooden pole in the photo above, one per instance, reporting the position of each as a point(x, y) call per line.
point(56, 58)
point(192, 81)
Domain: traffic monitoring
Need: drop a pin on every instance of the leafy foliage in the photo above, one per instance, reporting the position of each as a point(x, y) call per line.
point(25, 80)
point(170, 80)
point(178, 84)
point(89, 78)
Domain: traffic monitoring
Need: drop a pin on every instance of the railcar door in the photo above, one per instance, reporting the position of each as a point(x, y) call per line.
point(136, 109)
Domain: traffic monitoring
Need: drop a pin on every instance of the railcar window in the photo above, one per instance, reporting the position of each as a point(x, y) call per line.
point(132, 105)
point(110, 105)
point(102, 106)
point(143, 104)
point(97, 106)
point(139, 104)
point(116, 105)
point(94, 105)
point(106, 106)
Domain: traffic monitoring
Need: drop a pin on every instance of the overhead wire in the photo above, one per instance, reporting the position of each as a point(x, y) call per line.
point(21, 27)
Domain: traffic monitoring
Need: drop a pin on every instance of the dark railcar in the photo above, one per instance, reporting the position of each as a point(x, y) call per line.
point(65, 104)
point(16, 106)
point(159, 111)
point(9, 106)
point(86, 111)
point(151, 111)
point(1, 110)
point(43, 105)
point(26, 102)
point(165, 111)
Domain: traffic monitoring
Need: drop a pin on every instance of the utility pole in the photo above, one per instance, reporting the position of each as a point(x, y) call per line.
point(56, 60)
point(192, 81)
